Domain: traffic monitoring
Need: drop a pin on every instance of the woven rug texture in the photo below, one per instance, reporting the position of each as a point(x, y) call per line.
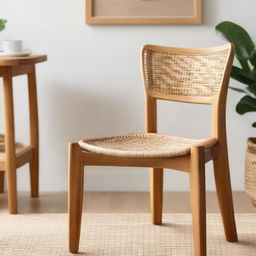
point(121, 235)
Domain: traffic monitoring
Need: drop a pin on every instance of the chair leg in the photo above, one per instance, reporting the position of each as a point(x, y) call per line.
point(224, 193)
point(12, 190)
point(76, 184)
point(1, 182)
point(198, 204)
point(156, 194)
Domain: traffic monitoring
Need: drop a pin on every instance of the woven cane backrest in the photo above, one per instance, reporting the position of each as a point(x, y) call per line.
point(184, 72)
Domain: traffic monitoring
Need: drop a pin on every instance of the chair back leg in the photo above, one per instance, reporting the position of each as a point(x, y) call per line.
point(198, 203)
point(76, 185)
point(156, 194)
point(224, 193)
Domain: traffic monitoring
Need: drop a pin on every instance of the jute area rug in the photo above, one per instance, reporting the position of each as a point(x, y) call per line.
point(121, 235)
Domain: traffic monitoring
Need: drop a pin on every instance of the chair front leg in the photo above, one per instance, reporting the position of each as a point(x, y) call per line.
point(76, 185)
point(156, 194)
point(198, 202)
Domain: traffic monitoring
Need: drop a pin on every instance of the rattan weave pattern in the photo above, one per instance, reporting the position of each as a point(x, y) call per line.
point(184, 74)
point(144, 145)
point(250, 168)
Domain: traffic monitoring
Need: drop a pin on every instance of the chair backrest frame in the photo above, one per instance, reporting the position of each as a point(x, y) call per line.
point(218, 101)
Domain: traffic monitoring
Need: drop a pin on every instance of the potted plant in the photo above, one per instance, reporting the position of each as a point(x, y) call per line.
point(2, 24)
point(245, 53)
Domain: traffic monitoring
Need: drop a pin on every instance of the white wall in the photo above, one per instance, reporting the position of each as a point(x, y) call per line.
point(91, 86)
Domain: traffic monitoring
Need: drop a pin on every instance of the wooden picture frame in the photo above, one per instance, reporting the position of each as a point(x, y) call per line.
point(143, 11)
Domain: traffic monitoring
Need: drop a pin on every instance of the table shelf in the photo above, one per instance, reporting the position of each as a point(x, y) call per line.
point(24, 154)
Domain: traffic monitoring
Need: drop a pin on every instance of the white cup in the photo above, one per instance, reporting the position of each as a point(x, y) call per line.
point(12, 46)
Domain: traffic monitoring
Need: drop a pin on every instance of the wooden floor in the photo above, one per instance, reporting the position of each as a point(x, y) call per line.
point(120, 202)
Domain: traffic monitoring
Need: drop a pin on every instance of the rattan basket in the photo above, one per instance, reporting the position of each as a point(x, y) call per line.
point(250, 169)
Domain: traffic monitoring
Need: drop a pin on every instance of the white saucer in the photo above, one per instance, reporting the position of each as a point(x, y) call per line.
point(15, 54)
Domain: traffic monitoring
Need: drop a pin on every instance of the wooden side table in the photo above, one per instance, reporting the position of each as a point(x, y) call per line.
point(13, 155)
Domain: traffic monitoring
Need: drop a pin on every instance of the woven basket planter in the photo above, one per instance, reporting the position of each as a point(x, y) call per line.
point(250, 169)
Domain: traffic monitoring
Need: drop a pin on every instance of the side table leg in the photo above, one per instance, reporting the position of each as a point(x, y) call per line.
point(10, 157)
point(34, 134)
point(1, 182)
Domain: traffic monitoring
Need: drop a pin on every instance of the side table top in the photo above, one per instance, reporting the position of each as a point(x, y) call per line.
point(16, 61)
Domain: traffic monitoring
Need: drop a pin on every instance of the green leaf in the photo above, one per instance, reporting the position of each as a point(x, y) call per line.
point(243, 76)
point(252, 89)
point(254, 125)
point(240, 37)
point(246, 104)
point(2, 24)
point(244, 64)
point(253, 58)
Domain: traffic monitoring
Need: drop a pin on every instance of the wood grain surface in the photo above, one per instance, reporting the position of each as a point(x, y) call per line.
point(144, 8)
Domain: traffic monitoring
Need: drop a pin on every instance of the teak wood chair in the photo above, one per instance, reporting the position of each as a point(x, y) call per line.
point(177, 74)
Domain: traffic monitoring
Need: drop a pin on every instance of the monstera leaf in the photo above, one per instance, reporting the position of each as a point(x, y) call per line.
point(2, 24)
point(245, 47)
point(253, 58)
point(246, 104)
point(245, 52)
point(243, 76)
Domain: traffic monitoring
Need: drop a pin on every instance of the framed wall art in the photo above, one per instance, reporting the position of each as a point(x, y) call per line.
point(143, 11)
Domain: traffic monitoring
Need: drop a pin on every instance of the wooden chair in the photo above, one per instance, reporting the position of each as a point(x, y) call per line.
point(184, 75)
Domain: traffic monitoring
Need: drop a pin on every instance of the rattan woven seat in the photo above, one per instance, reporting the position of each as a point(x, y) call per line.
point(141, 145)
